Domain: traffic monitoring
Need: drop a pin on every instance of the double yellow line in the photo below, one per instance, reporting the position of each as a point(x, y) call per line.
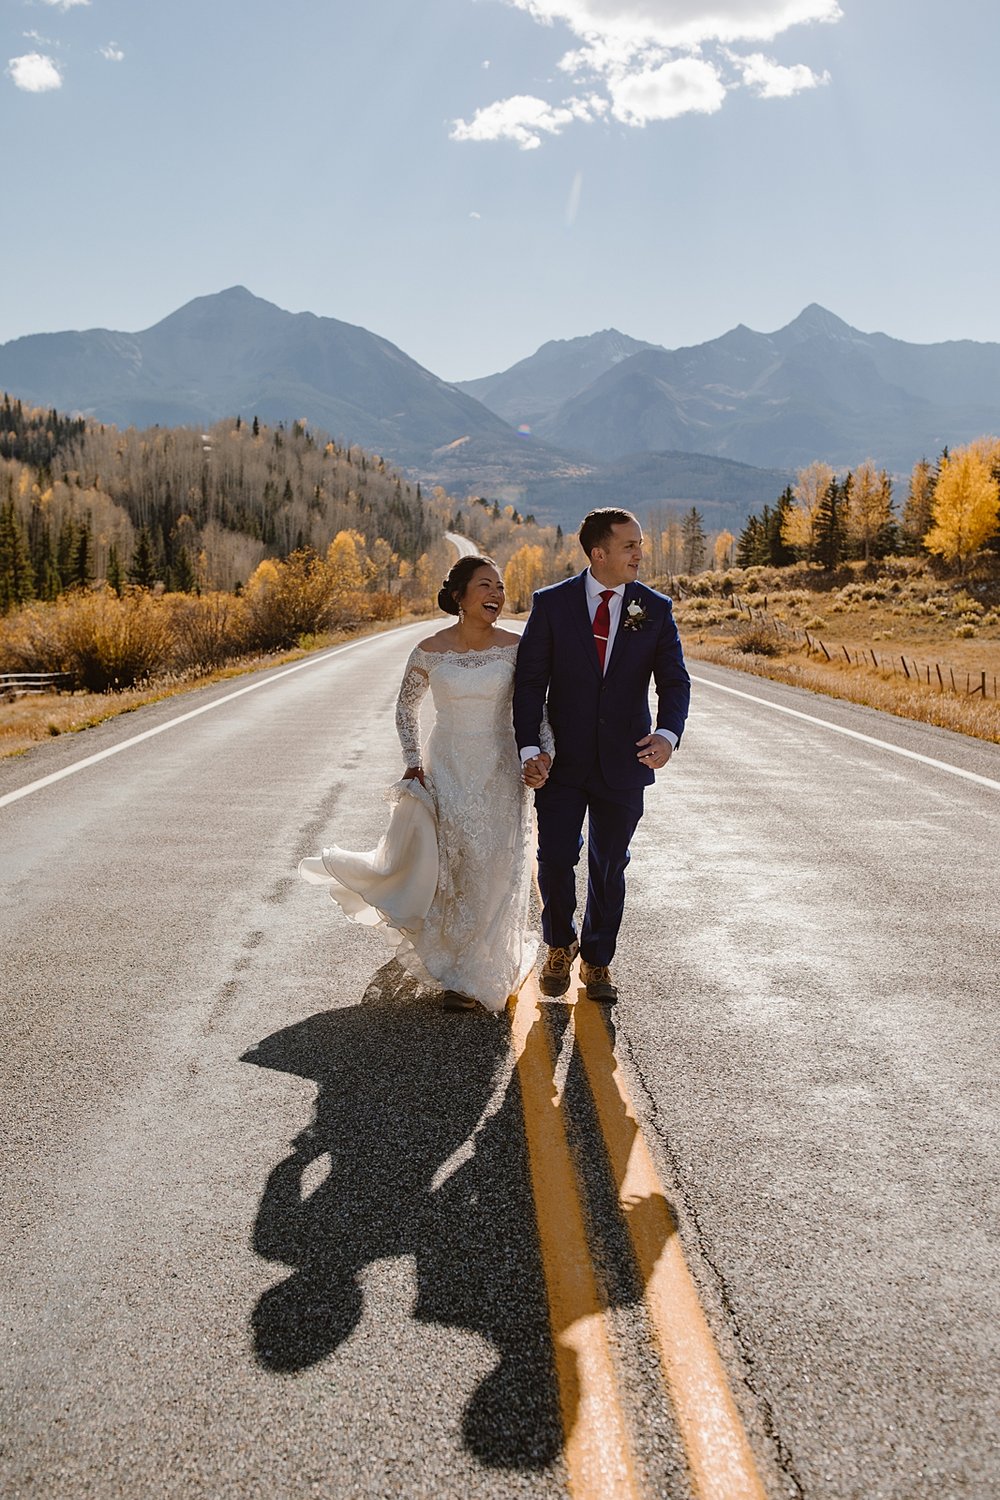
point(598, 1448)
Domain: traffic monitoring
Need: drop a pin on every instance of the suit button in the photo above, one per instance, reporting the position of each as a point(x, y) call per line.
point(603, 721)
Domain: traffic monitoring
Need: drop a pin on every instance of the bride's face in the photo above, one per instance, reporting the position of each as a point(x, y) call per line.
point(484, 596)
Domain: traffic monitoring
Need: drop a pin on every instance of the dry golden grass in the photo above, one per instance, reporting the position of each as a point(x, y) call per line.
point(42, 716)
point(910, 700)
point(914, 615)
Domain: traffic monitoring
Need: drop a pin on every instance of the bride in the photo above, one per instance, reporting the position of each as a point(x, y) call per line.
point(451, 875)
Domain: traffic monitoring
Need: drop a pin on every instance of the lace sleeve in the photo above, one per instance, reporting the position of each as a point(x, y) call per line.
point(546, 739)
point(412, 690)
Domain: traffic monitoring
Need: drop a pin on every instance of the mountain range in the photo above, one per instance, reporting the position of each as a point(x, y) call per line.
point(593, 420)
point(817, 388)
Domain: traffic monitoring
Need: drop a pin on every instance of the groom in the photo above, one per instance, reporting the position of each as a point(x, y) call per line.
point(588, 652)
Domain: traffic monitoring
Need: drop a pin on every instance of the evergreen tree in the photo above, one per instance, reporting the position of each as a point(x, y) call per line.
point(66, 550)
point(779, 553)
point(751, 544)
point(17, 576)
point(693, 540)
point(82, 573)
point(115, 574)
point(828, 527)
point(142, 569)
point(182, 575)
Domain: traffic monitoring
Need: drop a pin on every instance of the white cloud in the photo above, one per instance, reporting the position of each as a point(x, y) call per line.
point(524, 119)
point(773, 81)
point(474, 215)
point(65, 4)
point(649, 60)
point(113, 52)
point(34, 73)
point(685, 86)
point(679, 23)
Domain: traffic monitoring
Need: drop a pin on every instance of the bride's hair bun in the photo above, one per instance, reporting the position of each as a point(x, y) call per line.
point(453, 589)
point(445, 601)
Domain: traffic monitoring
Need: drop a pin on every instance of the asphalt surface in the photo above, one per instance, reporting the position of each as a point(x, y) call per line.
point(267, 1225)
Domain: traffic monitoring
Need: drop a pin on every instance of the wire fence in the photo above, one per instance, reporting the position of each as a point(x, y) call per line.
point(943, 676)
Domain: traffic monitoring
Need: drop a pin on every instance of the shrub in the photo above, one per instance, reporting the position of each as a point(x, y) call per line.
point(816, 623)
point(101, 641)
point(757, 640)
point(206, 631)
point(965, 631)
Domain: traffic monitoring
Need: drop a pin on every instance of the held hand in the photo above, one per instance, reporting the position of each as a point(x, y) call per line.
point(535, 772)
point(654, 751)
point(415, 773)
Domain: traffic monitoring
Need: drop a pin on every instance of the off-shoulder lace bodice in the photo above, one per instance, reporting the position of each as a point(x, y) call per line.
point(455, 695)
point(473, 687)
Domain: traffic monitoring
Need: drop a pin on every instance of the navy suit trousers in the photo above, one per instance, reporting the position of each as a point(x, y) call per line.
point(613, 814)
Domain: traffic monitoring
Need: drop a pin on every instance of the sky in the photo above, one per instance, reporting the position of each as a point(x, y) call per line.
point(471, 178)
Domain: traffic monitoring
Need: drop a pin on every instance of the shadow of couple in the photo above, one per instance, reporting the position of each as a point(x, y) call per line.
point(418, 1126)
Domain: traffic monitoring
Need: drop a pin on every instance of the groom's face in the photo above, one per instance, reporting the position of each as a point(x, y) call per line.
point(617, 560)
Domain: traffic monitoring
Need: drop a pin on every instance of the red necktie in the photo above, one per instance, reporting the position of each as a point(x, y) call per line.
point(602, 626)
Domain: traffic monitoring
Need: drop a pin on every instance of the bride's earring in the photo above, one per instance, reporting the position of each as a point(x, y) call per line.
point(461, 614)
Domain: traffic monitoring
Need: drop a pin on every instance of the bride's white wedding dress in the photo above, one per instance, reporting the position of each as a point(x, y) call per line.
point(451, 875)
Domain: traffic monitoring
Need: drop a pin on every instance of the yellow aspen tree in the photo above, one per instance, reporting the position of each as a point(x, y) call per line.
point(524, 573)
point(916, 518)
point(809, 490)
point(344, 566)
point(722, 551)
point(384, 563)
point(966, 506)
point(869, 508)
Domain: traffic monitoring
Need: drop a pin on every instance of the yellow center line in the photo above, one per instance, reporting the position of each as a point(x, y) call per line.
point(598, 1446)
point(718, 1451)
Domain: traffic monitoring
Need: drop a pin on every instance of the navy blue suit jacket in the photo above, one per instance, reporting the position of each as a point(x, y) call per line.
point(597, 719)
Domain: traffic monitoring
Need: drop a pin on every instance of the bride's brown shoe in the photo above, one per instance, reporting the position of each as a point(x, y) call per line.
point(554, 978)
point(454, 1000)
point(598, 982)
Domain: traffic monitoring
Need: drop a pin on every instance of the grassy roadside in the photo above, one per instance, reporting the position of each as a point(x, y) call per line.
point(42, 716)
point(869, 627)
point(909, 700)
point(912, 615)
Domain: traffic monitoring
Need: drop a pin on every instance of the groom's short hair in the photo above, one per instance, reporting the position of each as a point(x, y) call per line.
point(595, 528)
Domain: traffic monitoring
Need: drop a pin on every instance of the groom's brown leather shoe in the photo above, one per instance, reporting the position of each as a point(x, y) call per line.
point(554, 978)
point(598, 982)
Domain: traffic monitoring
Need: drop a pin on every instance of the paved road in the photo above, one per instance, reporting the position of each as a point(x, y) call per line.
point(268, 1225)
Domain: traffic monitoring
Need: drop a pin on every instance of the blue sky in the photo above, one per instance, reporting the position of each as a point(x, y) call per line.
point(470, 178)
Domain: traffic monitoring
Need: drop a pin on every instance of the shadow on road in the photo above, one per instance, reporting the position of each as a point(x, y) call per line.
point(401, 1087)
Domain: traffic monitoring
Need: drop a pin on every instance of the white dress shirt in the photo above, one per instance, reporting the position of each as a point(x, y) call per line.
point(594, 591)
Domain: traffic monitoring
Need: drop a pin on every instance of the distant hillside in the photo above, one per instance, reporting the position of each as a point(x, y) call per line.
point(556, 372)
point(235, 354)
point(724, 492)
point(815, 389)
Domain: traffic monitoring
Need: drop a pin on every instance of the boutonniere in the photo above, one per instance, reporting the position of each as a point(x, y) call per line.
point(635, 616)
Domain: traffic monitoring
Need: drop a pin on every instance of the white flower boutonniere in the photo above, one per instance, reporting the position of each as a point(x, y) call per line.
point(635, 616)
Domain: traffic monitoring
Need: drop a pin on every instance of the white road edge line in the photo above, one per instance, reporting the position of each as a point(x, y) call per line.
point(854, 734)
point(137, 739)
